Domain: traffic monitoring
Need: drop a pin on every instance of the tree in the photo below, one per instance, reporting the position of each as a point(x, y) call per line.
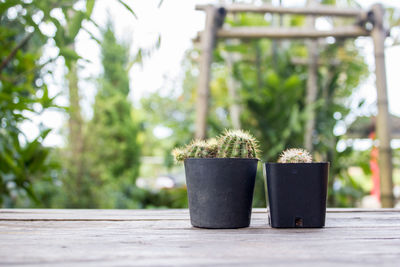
point(112, 147)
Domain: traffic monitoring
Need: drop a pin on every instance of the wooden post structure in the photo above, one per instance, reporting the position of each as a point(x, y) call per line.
point(378, 35)
point(383, 126)
point(290, 33)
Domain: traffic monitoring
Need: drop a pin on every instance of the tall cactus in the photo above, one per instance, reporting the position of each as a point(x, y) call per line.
point(237, 144)
point(295, 155)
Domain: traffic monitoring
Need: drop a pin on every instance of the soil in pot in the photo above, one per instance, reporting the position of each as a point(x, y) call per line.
point(297, 194)
point(220, 191)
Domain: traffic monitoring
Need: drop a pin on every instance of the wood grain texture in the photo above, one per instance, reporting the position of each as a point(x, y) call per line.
point(166, 238)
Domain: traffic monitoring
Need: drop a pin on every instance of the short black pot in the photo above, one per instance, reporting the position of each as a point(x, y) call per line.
point(297, 194)
point(220, 191)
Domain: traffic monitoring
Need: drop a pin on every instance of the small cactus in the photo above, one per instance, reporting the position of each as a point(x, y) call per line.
point(295, 155)
point(212, 148)
point(196, 149)
point(237, 144)
point(179, 154)
point(232, 144)
point(201, 149)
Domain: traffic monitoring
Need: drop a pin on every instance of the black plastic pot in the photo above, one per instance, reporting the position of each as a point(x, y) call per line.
point(297, 194)
point(220, 191)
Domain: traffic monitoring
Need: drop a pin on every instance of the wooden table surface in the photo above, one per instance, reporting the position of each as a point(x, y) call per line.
point(165, 238)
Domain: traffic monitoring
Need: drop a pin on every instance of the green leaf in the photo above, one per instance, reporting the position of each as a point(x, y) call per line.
point(44, 133)
point(92, 36)
point(60, 38)
point(128, 7)
point(31, 150)
point(89, 7)
point(273, 79)
point(158, 43)
point(75, 24)
point(292, 82)
point(94, 23)
point(137, 59)
point(31, 193)
point(69, 54)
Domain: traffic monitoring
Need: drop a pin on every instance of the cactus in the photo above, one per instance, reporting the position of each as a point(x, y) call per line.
point(237, 144)
point(200, 149)
point(179, 154)
point(212, 148)
point(295, 155)
point(232, 144)
point(196, 149)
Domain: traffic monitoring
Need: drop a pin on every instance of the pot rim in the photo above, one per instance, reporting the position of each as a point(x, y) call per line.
point(299, 163)
point(249, 159)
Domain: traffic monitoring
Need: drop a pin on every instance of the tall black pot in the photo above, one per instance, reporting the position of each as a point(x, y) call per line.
point(220, 191)
point(297, 194)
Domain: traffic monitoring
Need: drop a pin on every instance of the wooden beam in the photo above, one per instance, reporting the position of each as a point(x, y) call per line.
point(290, 33)
point(287, 33)
point(318, 10)
point(383, 126)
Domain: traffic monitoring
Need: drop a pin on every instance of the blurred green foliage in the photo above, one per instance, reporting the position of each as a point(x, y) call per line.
point(113, 150)
point(22, 92)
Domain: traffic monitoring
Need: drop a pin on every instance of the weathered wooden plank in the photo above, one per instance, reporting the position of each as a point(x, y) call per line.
point(333, 221)
point(129, 215)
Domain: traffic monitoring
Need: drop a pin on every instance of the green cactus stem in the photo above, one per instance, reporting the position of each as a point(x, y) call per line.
point(197, 149)
point(237, 144)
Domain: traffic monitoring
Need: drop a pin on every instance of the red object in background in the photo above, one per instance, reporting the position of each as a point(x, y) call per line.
point(373, 163)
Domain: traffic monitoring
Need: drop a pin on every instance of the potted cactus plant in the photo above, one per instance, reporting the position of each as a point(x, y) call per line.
point(220, 177)
point(297, 189)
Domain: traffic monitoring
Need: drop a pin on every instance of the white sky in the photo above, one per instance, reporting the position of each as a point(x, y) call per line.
point(177, 22)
